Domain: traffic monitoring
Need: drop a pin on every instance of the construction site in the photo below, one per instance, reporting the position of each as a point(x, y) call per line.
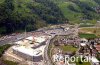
point(28, 50)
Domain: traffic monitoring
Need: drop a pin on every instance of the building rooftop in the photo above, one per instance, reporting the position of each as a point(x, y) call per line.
point(26, 45)
point(97, 46)
point(98, 49)
point(30, 51)
point(83, 44)
point(94, 60)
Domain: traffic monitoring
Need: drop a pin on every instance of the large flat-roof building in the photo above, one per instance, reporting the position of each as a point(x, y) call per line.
point(31, 48)
point(29, 53)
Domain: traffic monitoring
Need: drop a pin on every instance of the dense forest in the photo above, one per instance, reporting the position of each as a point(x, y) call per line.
point(18, 15)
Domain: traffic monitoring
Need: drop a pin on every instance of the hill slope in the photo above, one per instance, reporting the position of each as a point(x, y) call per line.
point(29, 14)
point(80, 10)
point(16, 15)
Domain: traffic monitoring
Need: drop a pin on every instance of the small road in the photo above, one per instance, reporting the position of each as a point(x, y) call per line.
point(46, 57)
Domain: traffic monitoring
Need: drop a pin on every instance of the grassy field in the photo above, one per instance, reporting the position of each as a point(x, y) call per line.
point(84, 63)
point(71, 15)
point(2, 50)
point(75, 14)
point(95, 31)
point(68, 48)
point(84, 35)
point(7, 62)
point(79, 62)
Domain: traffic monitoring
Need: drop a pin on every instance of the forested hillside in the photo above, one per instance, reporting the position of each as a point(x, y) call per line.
point(17, 15)
point(80, 10)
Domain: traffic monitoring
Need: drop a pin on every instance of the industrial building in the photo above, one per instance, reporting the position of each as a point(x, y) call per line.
point(31, 48)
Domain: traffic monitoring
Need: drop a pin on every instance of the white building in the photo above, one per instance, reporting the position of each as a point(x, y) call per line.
point(83, 42)
point(94, 61)
point(25, 48)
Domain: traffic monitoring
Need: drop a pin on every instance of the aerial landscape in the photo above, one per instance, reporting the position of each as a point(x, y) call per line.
point(49, 32)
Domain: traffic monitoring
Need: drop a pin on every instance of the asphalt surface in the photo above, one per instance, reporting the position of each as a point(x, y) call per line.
point(12, 39)
point(46, 58)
